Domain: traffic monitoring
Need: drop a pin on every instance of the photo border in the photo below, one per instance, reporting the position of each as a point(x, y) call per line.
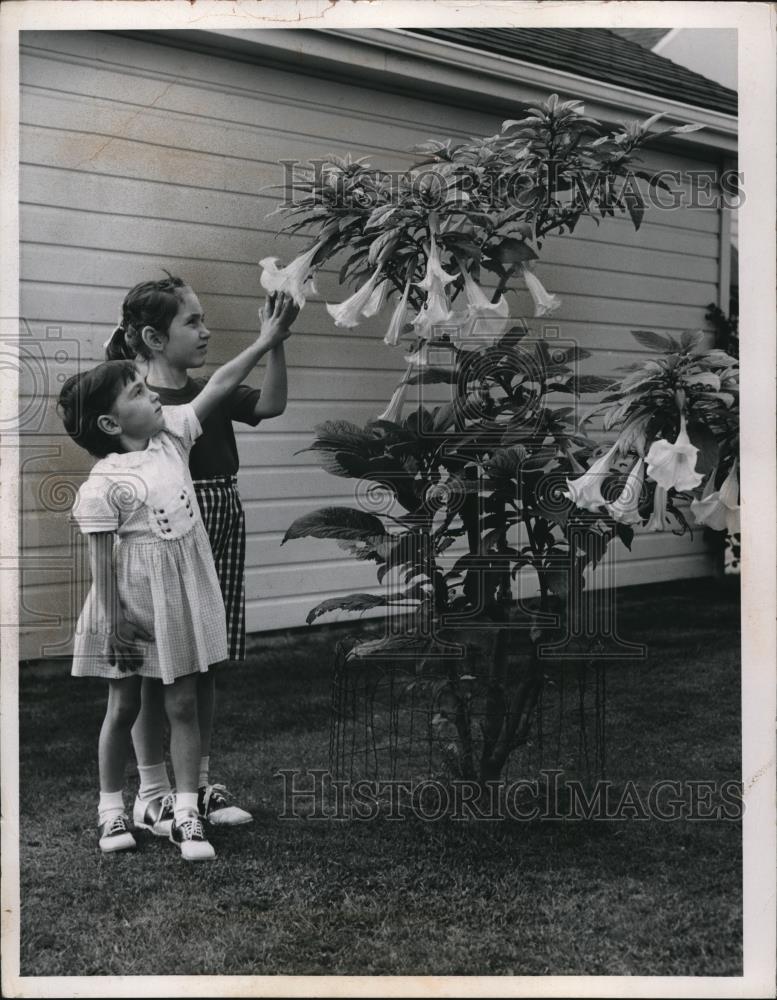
point(755, 23)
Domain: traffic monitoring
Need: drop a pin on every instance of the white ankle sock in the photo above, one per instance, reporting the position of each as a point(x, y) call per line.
point(204, 769)
point(111, 804)
point(185, 803)
point(154, 781)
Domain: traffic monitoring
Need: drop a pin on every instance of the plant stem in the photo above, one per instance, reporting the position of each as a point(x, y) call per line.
point(537, 556)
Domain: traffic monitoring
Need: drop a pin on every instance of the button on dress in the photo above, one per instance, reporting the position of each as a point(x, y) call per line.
point(165, 575)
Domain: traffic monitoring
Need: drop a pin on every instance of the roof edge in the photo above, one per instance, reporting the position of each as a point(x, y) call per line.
point(607, 93)
point(414, 63)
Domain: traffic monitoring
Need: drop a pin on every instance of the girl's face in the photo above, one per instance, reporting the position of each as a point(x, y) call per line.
point(137, 412)
point(187, 338)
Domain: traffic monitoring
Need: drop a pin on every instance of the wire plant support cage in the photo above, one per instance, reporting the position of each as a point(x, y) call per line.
point(410, 720)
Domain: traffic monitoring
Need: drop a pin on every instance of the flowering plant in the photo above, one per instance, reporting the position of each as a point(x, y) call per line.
point(461, 500)
point(678, 411)
point(426, 236)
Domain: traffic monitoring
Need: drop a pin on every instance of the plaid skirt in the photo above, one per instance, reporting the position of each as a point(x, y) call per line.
point(224, 519)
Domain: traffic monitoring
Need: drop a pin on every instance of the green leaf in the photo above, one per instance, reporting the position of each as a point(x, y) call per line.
point(653, 341)
point(557, 580)
point(681, 129)
point(511, 251)
point(702, 437)
point(539, 459)
point(382, 246)
point(444, 417)
point(690, 339)
point(432, 376)
point(590, 383)
point(626, 534)
point(570, 354)
point(335, 435)
point(373, 549)
point(409, 645)
point(356, 257)
point(336, 522)
point(351, 603)
point(504, 463)
point(636, 207)
point(411, 549)
point(380, 215)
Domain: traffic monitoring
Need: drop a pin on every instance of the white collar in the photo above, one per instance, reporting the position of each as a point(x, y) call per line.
point(129, 459)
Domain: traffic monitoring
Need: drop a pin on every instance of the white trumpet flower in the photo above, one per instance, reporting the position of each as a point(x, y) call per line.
point(434, 313)
point(397, 319)
point(393, 411)
point(296, 279)
point(378, 299)
point(436, 310)
point(435, 278)
point(673, 465)
point(658, 520)
point(482, 320)
point(719, 509)
point(586, 492)
point(544, 302)
point(626, 508)
point(349, 313)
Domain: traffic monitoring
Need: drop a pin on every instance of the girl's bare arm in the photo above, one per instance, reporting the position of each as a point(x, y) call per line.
point(121, 635)
point(277, 316)
point(274, 396)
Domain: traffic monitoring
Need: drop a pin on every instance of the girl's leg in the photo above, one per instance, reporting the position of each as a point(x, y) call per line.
point(213, 803)
point(224, 519)
point(206, 710)
point(149, 730)
point(113, 753)
point(153, 808)
point(114, 745)
point(181, 708)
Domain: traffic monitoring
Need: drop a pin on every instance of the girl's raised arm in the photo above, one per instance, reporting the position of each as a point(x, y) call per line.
point(278, 314)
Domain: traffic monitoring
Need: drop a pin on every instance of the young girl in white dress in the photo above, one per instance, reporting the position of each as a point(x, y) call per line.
point(155, 608)
point(168, 342)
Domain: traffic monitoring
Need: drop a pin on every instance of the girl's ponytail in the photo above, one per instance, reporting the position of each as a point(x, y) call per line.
point(151, 303)
point(117, 348)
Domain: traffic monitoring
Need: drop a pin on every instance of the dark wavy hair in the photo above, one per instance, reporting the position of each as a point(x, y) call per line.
point(87, 396)
point(151, 303)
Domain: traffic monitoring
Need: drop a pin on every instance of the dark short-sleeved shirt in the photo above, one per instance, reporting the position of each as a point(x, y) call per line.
point(215, 452)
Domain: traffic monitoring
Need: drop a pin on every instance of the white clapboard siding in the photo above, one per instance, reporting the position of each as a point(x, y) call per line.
point(137, 156)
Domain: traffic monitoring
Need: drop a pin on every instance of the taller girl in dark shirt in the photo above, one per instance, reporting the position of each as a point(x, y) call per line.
point(148, 331)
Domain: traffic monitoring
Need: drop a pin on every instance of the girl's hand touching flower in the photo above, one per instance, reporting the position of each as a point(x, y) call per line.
point(279, 312)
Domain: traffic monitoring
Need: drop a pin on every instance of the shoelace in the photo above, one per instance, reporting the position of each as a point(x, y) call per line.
point(168, 805)
point(218, 792)
point(192, 828)
point(118, 825)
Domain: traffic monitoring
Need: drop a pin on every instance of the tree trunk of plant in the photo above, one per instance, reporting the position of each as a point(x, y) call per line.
point(515, 722)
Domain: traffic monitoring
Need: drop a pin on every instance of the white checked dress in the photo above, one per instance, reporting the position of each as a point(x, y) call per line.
point(165, 575)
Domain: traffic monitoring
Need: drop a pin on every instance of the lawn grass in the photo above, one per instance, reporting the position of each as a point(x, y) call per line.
point(297, 897)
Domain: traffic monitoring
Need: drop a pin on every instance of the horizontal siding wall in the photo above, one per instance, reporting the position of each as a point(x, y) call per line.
point(137, 156)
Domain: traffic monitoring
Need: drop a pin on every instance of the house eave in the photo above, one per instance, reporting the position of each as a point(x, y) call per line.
point(414, 63)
